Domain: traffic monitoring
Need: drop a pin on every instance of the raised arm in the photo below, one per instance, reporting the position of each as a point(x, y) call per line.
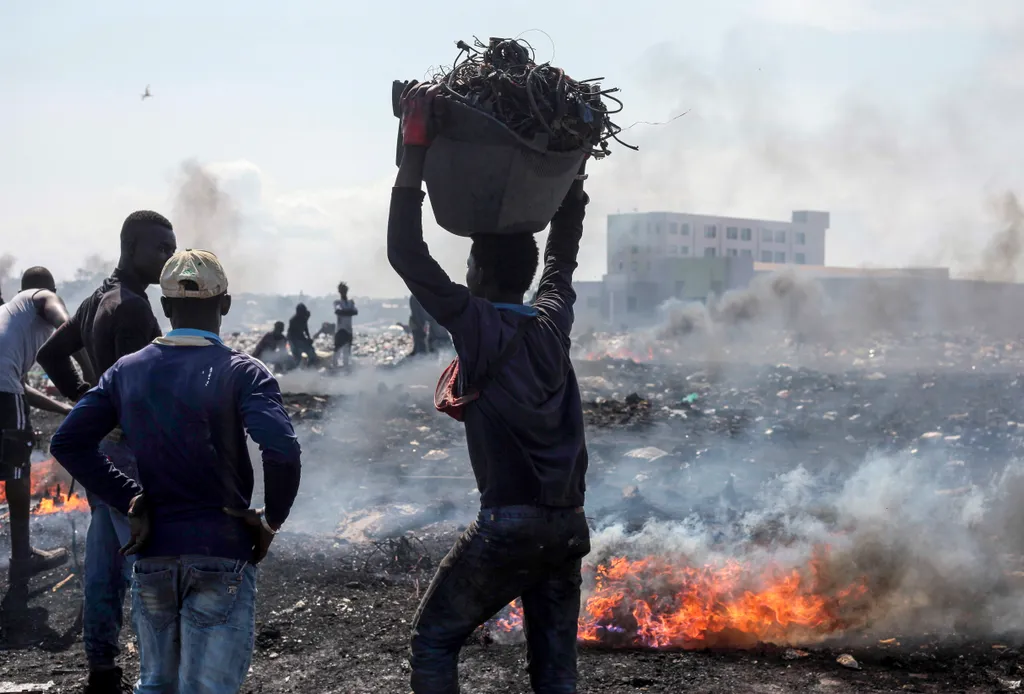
point(555, 295)
point(267, 423)
point(76, 446)
point(407, 252)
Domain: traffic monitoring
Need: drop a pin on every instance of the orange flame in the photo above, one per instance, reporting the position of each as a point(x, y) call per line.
point(58, 502)
point(46, 483)
point(657, 603)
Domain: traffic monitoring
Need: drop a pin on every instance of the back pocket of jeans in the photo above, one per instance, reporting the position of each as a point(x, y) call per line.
point(211, 597)
point(156, 595)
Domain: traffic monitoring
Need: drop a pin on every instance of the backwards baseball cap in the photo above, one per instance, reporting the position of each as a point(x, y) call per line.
point(199, 267)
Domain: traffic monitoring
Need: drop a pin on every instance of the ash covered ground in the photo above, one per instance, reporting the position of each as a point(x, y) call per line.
point(896, 456)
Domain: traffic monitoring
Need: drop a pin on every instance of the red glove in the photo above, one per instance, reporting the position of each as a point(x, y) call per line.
point(421, 106)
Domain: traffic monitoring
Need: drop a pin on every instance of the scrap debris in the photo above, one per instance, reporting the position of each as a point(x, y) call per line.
point(502, 79)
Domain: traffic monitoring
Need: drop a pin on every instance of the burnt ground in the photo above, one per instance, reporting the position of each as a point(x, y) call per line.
point(334, 613)
point(325, 625)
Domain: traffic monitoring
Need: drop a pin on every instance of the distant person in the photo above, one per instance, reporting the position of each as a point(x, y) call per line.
point(418, 320)
point(26, 321)
point(114, 321)
point(344, 310)
point(185, 404)
point(299, 339)
point(438, 339)
point(514, 388)
point(272, 347)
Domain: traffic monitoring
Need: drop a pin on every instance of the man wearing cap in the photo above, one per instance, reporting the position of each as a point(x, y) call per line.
point(185, 404)
point(26, 321)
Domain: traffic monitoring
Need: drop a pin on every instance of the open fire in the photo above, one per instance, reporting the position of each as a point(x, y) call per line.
point(48, 486)
point(660, 603)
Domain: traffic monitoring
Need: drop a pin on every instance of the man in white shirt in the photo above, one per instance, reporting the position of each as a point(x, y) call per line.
point(26, 321)
point(344, 309)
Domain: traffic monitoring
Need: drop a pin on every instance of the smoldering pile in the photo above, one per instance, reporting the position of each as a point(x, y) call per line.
point(890, 552)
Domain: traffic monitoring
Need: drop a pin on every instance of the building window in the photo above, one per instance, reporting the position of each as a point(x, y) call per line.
point(766, 234)
point(636, 249)
point(673, 250)
point(800, 258)
point(745, 234)
point(657, 229)
point(709, 252)
point(593, 302)
point(732, 233)
point(746, 253)
point(686, 250)
point(780, 257)
point(766, 256)
point(801, 238)
point(673, 228)
point(732, 252)
point(636, 228)
point(630, 303)
point(621, 266)
point(634, 267)
point(685, 230)
point(710, 231)
point(780, 237)
point(650, 228)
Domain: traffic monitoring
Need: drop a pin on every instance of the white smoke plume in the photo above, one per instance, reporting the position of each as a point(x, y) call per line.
point(6, 267)
point(925, 554)
point(205, 216)
point(1000, 258)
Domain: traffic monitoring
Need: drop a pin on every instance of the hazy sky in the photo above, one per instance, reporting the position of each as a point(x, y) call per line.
point(902, 117)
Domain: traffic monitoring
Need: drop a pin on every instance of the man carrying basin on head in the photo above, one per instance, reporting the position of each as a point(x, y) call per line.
point(515, 389)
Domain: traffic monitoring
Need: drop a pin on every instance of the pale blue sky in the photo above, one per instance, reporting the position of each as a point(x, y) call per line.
point(795, 104)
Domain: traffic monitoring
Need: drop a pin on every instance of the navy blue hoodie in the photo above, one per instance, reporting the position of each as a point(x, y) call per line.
point(185, 405)
point(525, 432)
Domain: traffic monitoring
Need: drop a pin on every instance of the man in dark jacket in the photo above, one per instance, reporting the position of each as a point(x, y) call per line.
point(115, 320)
point(299, 338)
point(524, 432)
point(185, 404)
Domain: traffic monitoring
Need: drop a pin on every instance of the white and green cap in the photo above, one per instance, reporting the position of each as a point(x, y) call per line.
point(200, 267)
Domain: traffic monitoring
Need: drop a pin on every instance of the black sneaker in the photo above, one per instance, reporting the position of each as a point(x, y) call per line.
point(107, 682)
point(39, 561)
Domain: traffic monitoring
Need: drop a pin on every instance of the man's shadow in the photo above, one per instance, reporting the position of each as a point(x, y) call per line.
point(25, 626)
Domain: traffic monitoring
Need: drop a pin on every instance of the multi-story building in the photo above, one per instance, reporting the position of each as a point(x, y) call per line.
point(637, 241)
point(656, 256)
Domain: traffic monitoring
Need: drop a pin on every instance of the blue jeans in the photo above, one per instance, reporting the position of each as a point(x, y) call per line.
point(107, 576)
point(195, 617)
point(507, 553)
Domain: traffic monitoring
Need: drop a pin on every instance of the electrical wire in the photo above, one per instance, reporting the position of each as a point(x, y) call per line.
point(535, 101)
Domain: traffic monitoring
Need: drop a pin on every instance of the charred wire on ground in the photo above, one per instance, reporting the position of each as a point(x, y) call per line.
point(539, 103)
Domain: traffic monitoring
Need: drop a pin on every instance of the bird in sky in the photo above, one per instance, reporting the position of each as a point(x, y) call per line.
point(146, 94)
